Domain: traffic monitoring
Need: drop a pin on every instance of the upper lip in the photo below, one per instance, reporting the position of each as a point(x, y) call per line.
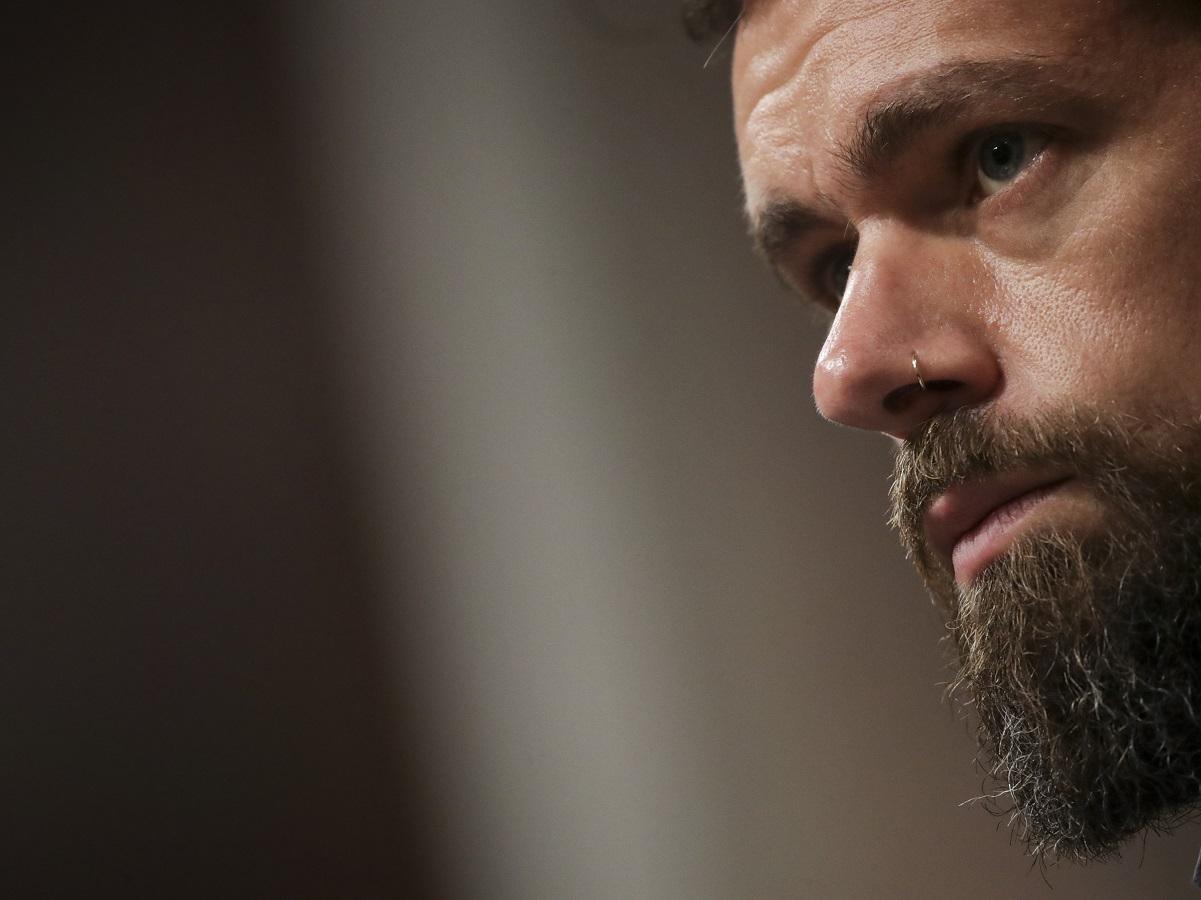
point(963, 506)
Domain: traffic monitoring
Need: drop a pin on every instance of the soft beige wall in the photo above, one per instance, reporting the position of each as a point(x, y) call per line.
point(663, 643)
point(190, 701)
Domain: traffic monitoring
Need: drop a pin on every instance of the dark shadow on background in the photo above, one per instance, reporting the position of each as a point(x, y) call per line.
point(191, 695)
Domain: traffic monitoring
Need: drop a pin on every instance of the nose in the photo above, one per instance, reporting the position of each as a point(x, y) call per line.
point(910, 297)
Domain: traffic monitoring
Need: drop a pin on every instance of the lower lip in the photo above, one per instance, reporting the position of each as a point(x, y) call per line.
point(988, 540)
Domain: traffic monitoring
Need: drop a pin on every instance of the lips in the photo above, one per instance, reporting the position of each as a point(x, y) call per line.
point(965, 511)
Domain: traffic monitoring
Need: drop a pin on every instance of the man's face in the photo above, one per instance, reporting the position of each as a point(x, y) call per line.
point(1001, 200)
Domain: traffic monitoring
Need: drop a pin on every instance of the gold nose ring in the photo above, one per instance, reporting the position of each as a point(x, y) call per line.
point(921, 382)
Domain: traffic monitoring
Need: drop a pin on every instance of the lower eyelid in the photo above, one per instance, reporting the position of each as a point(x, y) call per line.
point(1038, 169)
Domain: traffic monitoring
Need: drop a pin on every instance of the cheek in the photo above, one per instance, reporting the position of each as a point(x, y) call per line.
point(1112, 312)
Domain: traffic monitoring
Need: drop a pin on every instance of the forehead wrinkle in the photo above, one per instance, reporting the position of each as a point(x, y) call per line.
point(781, 86)
point(775, 90)
point(775, 121)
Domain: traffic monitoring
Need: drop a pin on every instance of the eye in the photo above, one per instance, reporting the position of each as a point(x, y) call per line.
point(1003, 156)
point(835, 271)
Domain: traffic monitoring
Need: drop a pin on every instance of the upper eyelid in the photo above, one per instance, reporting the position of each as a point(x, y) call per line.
point(972, 140)
point(798, 267)
point(819, 268)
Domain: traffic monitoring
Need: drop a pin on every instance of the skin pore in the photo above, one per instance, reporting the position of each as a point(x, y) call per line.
point(1010, 190)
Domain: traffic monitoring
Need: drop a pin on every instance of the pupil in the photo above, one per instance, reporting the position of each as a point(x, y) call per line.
point(1001, 157)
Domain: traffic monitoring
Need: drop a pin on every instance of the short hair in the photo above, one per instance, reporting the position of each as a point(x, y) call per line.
point(706, 19)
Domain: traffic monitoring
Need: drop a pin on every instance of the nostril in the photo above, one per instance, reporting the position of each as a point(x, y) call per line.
point(943, 385)
point(900, 399)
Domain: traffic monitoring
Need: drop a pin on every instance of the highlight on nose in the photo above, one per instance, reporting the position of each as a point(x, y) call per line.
point(880, 389)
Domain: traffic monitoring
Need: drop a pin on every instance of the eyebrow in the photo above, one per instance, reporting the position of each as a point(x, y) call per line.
point(780, 225)
point(902, 112)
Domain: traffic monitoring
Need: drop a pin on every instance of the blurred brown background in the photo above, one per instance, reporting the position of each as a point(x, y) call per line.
point(413, 488)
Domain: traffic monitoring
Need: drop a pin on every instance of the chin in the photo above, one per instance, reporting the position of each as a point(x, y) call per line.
point(1081, 660)
point(1078, 644)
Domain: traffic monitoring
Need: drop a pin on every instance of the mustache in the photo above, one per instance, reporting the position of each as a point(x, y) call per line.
point(1066, 645)
point(976, 442)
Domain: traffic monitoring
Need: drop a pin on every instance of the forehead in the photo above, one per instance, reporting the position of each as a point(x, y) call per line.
point(804, 70)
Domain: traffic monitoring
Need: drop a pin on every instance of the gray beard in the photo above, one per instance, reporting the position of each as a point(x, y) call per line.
point(1087, 711)
point(1079, 657)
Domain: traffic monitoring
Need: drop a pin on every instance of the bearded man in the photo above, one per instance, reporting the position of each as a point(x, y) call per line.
point(999, 204)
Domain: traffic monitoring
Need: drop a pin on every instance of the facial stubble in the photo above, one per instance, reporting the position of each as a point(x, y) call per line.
point(1079, 652)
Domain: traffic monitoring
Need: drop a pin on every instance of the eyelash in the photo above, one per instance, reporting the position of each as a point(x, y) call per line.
point(968, 152)
point(963, 161)
point(823, 272)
